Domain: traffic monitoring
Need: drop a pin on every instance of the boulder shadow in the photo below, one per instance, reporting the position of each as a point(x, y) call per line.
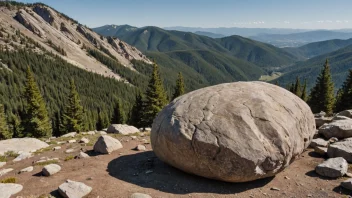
point(342, 191)
point(146, 170)
point(316, 155)
point(312, 173)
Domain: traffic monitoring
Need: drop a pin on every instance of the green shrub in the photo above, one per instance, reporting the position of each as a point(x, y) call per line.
point(9, 180)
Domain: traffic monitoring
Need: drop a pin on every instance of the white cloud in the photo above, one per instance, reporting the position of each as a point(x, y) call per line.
point(286, 22)
point(328, 21)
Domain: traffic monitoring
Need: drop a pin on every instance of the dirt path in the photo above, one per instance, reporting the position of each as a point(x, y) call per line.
point(127, 171)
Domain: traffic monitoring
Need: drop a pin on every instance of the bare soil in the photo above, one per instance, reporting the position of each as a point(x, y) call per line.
point(127, 171)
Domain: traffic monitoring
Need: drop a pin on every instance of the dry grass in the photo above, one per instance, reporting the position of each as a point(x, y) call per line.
point(9, 180)
point(46, 162)
point(70, 157)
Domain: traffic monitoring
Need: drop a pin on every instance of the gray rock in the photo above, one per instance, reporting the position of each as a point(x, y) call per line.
point(319, 115)
point(102, 133)
point(57, 148)
point(91, 133)
point(2, 164)
point(51, 169)
point(333, 167)
point(73, 189)
point(333, 140)
point(84, 140)
point(140, 195)
point(234, 132)
point(319, 142)
point(21, 144)
point(7, 190)
point(140, 148)
point(338, 128)
point(82, 155)
point(23, 156)
point(5, 171)
point(337, 117)
point(106, 144)
point(71, 135)
point(122, 129)
point(346, 113)
point(321, 150)
point(342, 148)
point(321, 121)
point(347, 184)
point(28, 169)
point(69, 151)
point(71, 141)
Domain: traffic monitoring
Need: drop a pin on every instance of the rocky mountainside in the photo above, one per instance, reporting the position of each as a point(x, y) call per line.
point(64, 37)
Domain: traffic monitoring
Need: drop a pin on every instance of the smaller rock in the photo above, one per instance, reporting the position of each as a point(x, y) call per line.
point(51, 169)
point(28, 169)
point(5, 171)
point(149, 171)
point(140, 148)
point(338, 117)
point(274, 188)
point(321, 150)
point(72, 189)
point(140, 195)
point(122, 129)
point(319, 142)
point(333, 167)
point(2, 164)
point(7, 190)
point(319, 115)
point(333, 140)
point(69, 151)
point(286, 177)
point(23, 156)
point(61, 142)
point(349, 175)
point(72, 134)
point(84, 140)
point(102, 133)
point(82, 155)
point(106, 144)
point(321, 121)
point(346, 113)
point(71, 141)
point(84, 133)
point(134, 137)
point(57, 148)
point(347, 184)
point(91, 133)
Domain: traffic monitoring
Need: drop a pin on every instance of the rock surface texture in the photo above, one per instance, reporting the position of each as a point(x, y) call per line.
point(338, 128)
point(106, 144)
point(72, 189)
point(341, 149)
point(333, 167)
point(51, 169)
point(122, 129)
point(21, 144)
point(6, 190)
point(234, 132)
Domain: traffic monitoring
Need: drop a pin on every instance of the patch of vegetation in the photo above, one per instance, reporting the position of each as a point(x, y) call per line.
point(46, 162)
point(11, 154)
point(3, 158)
point(9, 180)
point(70, 157)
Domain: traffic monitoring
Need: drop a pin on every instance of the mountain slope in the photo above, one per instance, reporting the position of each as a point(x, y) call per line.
point(302, 38)
point(318, 48)
point(340, 63)
point(66, 38)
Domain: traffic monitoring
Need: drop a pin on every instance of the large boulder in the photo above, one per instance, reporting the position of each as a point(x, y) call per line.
point(73, 189)
point(338, 128)
point(234, 132)
point(122, 129)
point(21, 145)
point(341, 149)
point(7, 190)
point(106, 144)
point(333, 167)
point(346, 113)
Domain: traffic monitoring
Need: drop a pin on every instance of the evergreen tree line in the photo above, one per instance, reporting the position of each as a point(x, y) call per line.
point(322, 96)
point(38, 103)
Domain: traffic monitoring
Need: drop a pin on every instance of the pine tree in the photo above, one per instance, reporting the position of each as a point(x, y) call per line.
point(4, 128)
point(103, 120)
point(73, 116)
point(344, 95)
point(304, 92)
point(291, 88)
point(156, 97)
point(138, 109)
point(322, 94)
point(180, 86)
point(118, 116)
point(15, 126)
point(297, 88)
point(36, 122)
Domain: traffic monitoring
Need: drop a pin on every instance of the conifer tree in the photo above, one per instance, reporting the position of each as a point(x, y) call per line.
point(138, 109)
point(4, 128)
point(304, 92)
point(297, 88)
point(322, 94)
point(291, 88)
point(344, 95)
point(15, 126)
point(36, 122)
point(156, 97)
point(180, 86)
point(73, 116)
point(102, 120)
point(118, 116)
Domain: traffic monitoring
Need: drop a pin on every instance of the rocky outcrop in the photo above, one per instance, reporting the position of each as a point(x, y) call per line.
point(22, 156)
point(341, 149)
point(333, 168)
point(73, 189)
point(106, 144)
point(234, 132)
point(24, 18)
point(338, 128)
point(21, 145)
point(87, 35)
point(47, 14)
point(122, 129)
point(7, 190)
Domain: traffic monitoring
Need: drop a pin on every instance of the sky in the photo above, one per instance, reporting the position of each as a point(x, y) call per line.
point(298, 14)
